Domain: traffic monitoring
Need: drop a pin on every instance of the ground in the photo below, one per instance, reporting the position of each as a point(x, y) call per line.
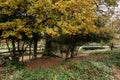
point(47, 62)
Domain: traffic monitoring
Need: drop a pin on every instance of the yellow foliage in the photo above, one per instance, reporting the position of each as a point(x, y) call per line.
point(69, 16)
point(52, 31)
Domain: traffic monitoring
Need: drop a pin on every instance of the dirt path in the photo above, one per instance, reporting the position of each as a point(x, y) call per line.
point(44, 62)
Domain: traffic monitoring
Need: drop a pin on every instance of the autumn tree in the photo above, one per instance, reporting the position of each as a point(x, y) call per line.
point(105, 11)
point(27, 19)
point(68, 18)
point(18, 27)
point(64, 18)
point(115, 25)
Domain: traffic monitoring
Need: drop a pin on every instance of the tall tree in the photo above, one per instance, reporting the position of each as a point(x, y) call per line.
point(23, 19)
point(18, 26)
point(63, 17)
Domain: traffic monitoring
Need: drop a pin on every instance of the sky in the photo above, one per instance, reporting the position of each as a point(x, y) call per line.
point(118, 7)
point(117, 10)
point(104, 8)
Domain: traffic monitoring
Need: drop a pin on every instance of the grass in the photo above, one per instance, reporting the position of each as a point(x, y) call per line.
point(86, 70)
point(108, 52)
point(83, 70)
point(114, 57)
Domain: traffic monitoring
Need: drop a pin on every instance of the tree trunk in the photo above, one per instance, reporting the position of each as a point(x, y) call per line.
point(18, 46)
point(35, 48)
point(67, 55)
point(15, 57)
point(48, 46)
point(30, 51)
point(111, 46)
point(72, 54)
point(72, 51)
point(7, 43)
point(19, 51)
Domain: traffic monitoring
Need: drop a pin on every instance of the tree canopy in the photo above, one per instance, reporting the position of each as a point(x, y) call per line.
point(53, 17)
point(21, 19)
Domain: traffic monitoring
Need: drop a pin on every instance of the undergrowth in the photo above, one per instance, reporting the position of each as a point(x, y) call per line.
point(85, 70)
point(113, 59)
